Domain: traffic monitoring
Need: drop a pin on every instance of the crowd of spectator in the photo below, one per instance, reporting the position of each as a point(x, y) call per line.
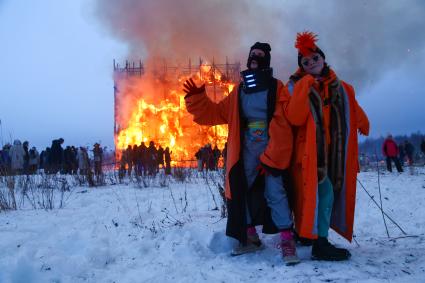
point(20, 158)
point(143, 160)
point(208, 157)
point(400, 154)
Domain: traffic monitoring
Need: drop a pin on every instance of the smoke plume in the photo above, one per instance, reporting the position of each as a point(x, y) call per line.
point(362, 40)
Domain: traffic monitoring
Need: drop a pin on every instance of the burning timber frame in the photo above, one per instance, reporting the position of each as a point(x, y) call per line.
point(129, 70)
point(230, 72)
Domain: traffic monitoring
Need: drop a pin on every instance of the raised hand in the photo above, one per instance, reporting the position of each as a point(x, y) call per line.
point(190, 88)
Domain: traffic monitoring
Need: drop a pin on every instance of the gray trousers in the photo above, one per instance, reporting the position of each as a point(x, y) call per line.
point(274, 193)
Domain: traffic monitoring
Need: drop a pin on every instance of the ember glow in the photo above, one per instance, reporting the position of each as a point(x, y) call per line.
point(151, 107)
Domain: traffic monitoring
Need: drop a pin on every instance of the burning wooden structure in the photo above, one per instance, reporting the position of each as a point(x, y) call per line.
point(149, 106)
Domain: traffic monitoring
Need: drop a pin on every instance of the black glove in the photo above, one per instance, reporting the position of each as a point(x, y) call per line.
point(190, 88)
point(262, 170)
point(267, 170)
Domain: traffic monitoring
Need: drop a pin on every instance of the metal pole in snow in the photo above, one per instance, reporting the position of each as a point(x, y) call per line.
point(376, 203)
point(380, 195)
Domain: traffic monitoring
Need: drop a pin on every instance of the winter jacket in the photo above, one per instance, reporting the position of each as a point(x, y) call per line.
point(167, 156)
point(83, 159)
point(44, 159)
point(408, 147)
point(160, 155)
point(5, 157)
point(198, 154)
point(34, 157)
point(17, 154)
point(56, 153)
point(98, 154)
point(304, 165)
point(390, 148)
point(277, 154)
point(26, 155)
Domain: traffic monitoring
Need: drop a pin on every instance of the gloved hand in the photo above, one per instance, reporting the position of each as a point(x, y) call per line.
point(262, 170)
point(265, 170)
point(190, 88)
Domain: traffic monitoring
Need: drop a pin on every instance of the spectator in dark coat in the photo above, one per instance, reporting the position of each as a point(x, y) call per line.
point(56, 156)
point(129, 158)
point(167, 157)
point(74, 162)
point(143, 168)
point(206, 156)
point(224, 154)
point(134, 157)
point(409, 150)
point(98, 158)
point(151, 157)
point(67, 160)
point(160, 158)
point(198, 156)
point(5, 160)
point(44, 160)
point(216, 156)
point(209, 157)
point(390, 151)
point(423, 146)
point(123, 162)
point(401, 153)
point(34, 160)
point(25, 145)
point(137, 160)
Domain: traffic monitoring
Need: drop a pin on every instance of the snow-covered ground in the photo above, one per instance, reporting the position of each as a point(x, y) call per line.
point(171, 232)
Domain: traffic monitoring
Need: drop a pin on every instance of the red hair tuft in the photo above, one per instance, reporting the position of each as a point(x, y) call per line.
point(306, 42)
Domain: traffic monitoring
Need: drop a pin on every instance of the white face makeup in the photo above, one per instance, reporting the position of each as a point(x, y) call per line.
point(258, 52)
point(313, 64)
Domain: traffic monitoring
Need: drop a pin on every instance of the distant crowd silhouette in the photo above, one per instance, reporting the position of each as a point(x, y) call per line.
point(208, 158)
point(20, 158)
point(143, 160)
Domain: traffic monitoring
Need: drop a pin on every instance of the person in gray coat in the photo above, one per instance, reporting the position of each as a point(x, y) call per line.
point(83, 161)
point(17, 154)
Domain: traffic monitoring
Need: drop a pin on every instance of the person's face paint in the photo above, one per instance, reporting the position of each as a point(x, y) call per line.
point(313, 64)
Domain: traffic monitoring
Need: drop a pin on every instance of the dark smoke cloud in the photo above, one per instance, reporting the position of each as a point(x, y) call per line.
point(177, 29)
point(362, 40)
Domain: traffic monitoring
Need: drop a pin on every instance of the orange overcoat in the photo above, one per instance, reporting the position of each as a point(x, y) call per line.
point(304, 163)
point(277, 154)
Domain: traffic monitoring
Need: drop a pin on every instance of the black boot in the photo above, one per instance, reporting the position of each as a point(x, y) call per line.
point(302, 241)
point(323, 250)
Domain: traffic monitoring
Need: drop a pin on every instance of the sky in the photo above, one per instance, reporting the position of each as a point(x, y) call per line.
point(56, 73)
point(56, 56)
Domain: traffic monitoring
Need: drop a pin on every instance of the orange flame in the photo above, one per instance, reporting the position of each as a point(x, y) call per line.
point(161, 115)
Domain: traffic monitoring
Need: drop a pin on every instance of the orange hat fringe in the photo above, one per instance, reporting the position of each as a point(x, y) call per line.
point(305, 42)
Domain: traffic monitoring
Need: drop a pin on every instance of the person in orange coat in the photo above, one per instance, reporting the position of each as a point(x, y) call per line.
point(259, 151)
point(326, 117)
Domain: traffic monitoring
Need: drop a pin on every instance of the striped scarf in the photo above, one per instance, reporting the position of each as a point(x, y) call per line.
point(338, 132)
point(330, 160)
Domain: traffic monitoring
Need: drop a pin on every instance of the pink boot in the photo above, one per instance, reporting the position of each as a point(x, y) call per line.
point(287, 244)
